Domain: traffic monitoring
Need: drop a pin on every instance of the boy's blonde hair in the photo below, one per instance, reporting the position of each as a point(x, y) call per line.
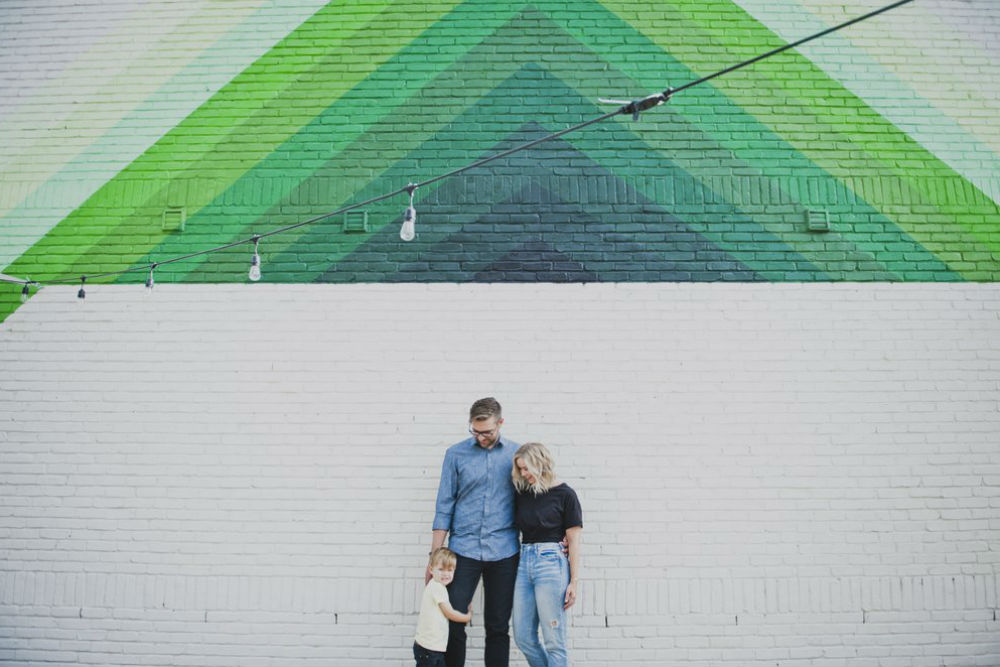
point(443, 558)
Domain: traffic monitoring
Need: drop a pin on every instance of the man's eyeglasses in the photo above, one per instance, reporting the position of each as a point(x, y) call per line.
point(483, 434)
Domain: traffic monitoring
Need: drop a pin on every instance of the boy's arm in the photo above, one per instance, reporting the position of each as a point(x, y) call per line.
point(452, 615)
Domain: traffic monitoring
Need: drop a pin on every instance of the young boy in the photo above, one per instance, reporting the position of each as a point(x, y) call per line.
point(435, 611)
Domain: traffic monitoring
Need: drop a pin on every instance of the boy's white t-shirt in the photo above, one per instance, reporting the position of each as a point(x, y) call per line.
point(432, 626)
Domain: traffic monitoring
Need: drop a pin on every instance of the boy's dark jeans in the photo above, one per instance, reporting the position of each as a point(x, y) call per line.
point(498, 600)
point(426, 657)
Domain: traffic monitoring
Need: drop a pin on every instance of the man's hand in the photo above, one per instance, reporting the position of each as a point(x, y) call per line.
point(564, 543)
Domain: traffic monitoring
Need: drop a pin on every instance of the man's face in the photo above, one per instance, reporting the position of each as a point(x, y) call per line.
point(486, 431)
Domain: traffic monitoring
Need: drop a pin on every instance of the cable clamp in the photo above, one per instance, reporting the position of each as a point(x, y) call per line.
point(635, 107)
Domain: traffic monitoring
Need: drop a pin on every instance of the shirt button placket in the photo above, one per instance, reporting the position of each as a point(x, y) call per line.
point(486, 501)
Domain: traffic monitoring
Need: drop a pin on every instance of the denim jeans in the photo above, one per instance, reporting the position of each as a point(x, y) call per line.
point(498, 597)
point(425, 657)
point(542, 578)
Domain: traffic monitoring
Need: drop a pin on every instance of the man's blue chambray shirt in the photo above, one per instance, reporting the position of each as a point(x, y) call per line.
point(475, 500)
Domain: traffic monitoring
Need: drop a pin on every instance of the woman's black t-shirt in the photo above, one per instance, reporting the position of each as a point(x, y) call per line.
point(545, 517)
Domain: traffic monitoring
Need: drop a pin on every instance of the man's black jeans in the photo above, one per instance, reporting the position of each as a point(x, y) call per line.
point(498, 600)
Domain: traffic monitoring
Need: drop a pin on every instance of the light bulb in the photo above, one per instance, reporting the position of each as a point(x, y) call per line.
point(82, 294)
point(254, 274)
point(149, 281)
point(24, 293)
point(408, 230)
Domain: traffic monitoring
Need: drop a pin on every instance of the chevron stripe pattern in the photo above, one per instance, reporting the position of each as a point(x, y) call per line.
point(795, 169)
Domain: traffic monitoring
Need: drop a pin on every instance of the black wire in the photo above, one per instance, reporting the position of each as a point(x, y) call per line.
point(788, 46)
point(630, 108)
point(18, 281)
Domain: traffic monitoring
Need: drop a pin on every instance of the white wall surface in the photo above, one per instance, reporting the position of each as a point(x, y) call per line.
point(771, 475)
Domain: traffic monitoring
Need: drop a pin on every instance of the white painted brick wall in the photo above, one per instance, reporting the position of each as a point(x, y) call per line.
point(772, 475)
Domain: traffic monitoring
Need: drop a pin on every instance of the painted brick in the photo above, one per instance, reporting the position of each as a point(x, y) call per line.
point(191, 477)
point(914, 201)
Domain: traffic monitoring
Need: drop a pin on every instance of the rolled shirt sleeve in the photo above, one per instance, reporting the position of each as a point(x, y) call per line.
point(444, 507)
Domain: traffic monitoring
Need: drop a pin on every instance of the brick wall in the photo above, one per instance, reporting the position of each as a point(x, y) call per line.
point(772, 475)
point(90, 85)
point(276, 113)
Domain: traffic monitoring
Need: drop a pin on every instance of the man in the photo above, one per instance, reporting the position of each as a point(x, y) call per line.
point(475, 503)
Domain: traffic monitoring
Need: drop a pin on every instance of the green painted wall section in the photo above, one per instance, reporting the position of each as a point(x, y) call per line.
point(715, 185)
point(88, 86)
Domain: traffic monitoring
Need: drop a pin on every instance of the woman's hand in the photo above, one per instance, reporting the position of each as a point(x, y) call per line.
point(573, 547)
point(570, 598)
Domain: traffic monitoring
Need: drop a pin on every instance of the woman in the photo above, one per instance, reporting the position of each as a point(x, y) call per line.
point(545, 511)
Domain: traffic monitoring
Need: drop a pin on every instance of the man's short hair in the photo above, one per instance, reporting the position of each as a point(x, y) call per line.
point(485, 408)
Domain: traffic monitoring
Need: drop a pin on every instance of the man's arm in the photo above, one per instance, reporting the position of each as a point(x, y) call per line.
point(444, 507)
point(437, 541)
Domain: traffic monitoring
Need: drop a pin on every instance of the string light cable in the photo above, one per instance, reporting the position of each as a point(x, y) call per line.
point(25, 284)
point(407, 232)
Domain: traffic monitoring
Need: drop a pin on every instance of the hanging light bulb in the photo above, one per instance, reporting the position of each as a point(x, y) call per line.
point(82, 294)
point(149, 281)
point(408, 230)
point(24, 293)
point(254, 274)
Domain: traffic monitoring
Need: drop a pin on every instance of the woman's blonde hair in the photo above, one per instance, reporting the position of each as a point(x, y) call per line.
point(540, 464)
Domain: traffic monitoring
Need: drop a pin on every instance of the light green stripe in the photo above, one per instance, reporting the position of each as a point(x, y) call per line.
point(814, 126)
point(176, 64)
point(909, 88)
point(243, 115)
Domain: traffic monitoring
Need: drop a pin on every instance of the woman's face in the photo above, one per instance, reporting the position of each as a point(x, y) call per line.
point(525, 473)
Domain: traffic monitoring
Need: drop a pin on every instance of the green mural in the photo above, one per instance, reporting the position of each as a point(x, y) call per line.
point(718, 184)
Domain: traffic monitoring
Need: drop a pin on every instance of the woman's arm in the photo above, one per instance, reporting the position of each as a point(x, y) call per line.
point(573, 544)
